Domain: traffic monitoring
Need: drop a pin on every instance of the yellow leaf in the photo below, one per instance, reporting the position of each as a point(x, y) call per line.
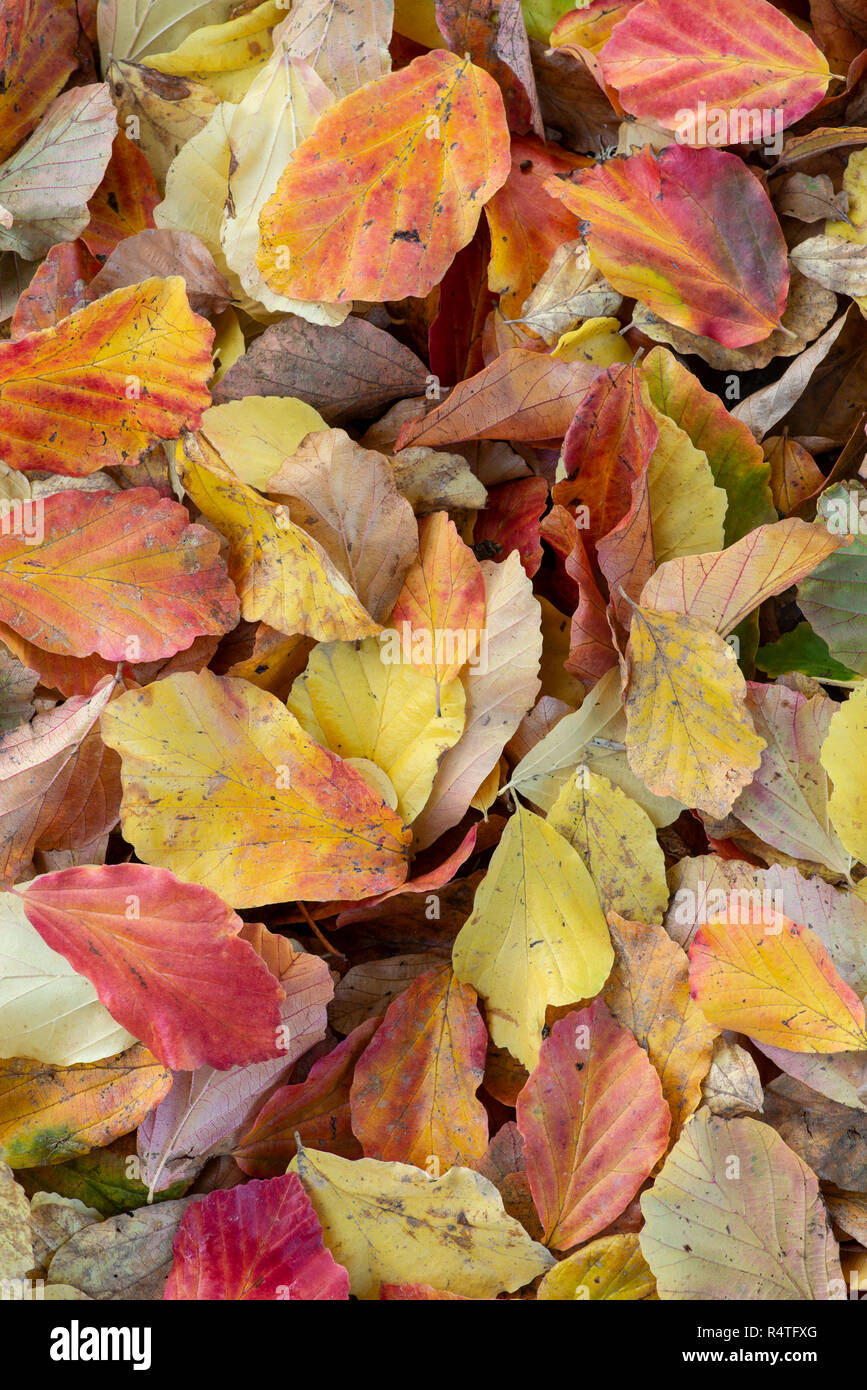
point(687, 509)
point(223, 787)
point(360, 706)
point(648, 992)
point(594, 735)
point(611, 1268)
point(229, 345)
point(196, 185)
point(227, 56)
point(774, 980)
point(286, 98)
point(688, 731)
point(536, 935)
point(254, 435)
point(844, 758)
point(617, 842)
point(283, 577)
point(597, 341)
point(389, 1223)
point(16, 1243)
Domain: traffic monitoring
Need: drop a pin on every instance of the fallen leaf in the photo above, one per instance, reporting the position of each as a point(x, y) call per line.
point(318, 238)
point(704, 216)
point(48, 1114)
point(279, 786)
point(773, 980)
point(259, 1241)
point(413, 1090)
point(356, 1203)
point(594, 1124)
point(536, 936)
point(122, 372)
point(751, 1213)
point(118, 925)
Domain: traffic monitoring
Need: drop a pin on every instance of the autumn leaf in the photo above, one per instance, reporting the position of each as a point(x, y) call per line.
point(492, 1253)
point(266, 1243)
point(413, 1091)
point(158, 583)
point(662, 58)
point(610, 1269)
point(843, 757)
point(48, 1011)
point(283, 576)
point(442, 603)
point(520, 395)
point(315, 1110)
point(648, 991)
point(346, 498)
point(772, 979)
point(207, 1110)
point(689, 733)
point(723, 587)
point(536, 936)
point(749, 1210)
point(59, 785)
point(48, 1114)
point(34, 68)
point(682, 233)
point(320, 238)
point(617, 843)
point(594, 1124)
point(113, 377)
point(280, 786)
point(47, 184)
point(119, 925)
point(364, 701)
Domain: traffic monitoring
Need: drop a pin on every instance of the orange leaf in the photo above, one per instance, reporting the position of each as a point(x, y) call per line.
point(124, 202)
point(390, 185)
point(773, 980)
point(37, 54)
point(520, 395)
point(527, 223)
point(101, 386)
point(413, 1096)
point(118, 573)
point(442, 602)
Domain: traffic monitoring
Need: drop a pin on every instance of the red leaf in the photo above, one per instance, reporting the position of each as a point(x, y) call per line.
point(510, 520)
point(165, 959)
point(258, 1241)
point(594, 1123)
point(58, 288)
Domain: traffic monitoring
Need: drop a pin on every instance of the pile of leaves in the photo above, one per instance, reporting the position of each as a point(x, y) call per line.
point(433, 558)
